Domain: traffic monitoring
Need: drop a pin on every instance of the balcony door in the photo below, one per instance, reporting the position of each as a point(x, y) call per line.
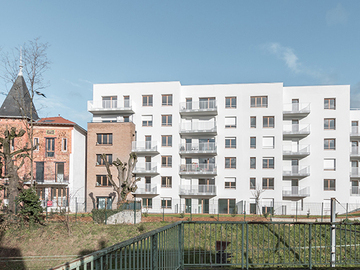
point(205, 185)
point(294, 186)
point(295, 125)
point(147, 183)
point(355, 187)
point(189, 103)
point(207, 103)
point(148, 142)
point(354, 167)
point(206, 144)
point(295, 146)
point(354, 147)
point(354, 127)
point(203, 206)
point(187, 205)
point(39, 171)
point(294, 166)
point(126, 101)
point(148, 163)
point(109, 102)
point(295, 105)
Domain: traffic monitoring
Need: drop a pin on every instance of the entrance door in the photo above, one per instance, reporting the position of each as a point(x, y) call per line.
point(39, 171)
point(203, 206)
point(187, 205)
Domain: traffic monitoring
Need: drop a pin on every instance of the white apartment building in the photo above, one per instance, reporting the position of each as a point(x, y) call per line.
point(210, 148)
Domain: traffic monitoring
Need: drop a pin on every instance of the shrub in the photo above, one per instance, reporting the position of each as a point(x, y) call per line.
point(141, 228)
point(182, 215)
point(145, 214)
point(30, 209)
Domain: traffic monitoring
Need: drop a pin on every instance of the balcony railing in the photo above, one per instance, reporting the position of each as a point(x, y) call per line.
point(296, 192)
point(197, 148)
point(355, 191)
point(109, 106)
point(200, 107)
point(148, 189)
point(197, 169)
point(300, 150)
point(144, 146)
point(354, 172)
point(355, 131)
point(296, 108)
point(355, 151)
point(297, 171)
point(296, 129)
point(197, 190)
point(198, 127)
point(145, 167)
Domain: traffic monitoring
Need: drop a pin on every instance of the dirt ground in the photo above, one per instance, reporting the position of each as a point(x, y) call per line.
point(157, 218)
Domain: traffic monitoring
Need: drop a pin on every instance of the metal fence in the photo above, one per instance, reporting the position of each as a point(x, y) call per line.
point(240, 244)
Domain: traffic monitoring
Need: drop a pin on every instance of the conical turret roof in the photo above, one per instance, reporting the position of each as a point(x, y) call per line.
point(17, 103)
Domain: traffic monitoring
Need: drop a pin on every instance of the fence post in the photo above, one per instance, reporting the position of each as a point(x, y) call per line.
point(244, 209)
point(181, 247)
point(76, 209)
point(296, 210)
point(105, 216)
point(154, 251)
point(247, 245)
point(347, 210)
point(163, 206)
point(322, 211)
point(310, 258)
point(134, 211)
point(333, 232)
point(46, 217)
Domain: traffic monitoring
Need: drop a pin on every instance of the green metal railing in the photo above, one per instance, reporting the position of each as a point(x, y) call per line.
point(238, 244)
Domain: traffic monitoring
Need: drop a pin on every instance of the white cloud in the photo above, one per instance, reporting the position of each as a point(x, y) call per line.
point(292, 61)
point(337, 15)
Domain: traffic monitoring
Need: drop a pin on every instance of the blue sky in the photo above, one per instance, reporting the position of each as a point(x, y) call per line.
point(194, 42)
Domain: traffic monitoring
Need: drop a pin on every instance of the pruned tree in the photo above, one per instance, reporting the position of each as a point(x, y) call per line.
point(257, 194)
point(33, 64)
point(126, 182)
point(13, 161)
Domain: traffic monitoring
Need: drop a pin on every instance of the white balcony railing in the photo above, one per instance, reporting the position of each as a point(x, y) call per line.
point(355, 130)
point(197, 190)
point(198, 147)
point(299, 150)
point(198, 168)
point(296, 171)
point(296, 129)
point(108, 105)
point(144, 146)
point(355, 151)
point(198, 127)
point(354, 172)
point(296, 191)
point(293, 108)
point(148, 189)
point(145, 167)
point(209, 105)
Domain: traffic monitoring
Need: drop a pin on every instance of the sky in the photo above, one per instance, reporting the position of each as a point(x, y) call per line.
point(191, 41)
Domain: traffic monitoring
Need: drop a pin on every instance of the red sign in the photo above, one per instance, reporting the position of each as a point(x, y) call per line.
point(49, 203)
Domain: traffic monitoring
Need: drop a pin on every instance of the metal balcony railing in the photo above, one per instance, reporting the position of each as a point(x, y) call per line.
point(148, 189)
point(109, 105)
point(355, 191)
point(198, 106)
point(296, 192)
point(296, 129)
point(197, 190)
point(145, 167)
point(355, 151)
point(296, 108)
point(197, 147)
point(354, 172)
point(355, 131)
point(198, 168)
point(197, 127)
point(299, 150)
point(296, 171)
point(144, 146)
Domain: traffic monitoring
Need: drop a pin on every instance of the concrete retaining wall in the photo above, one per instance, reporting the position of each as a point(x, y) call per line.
point(126, 216)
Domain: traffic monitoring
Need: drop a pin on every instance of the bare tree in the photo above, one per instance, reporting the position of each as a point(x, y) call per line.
point(257, 194)
point(126, 181)
point(33, 64)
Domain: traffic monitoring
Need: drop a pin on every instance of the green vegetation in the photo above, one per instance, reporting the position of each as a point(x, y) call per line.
point(30, 209)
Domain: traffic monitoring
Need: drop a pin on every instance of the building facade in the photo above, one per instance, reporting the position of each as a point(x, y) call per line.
point(213, 148)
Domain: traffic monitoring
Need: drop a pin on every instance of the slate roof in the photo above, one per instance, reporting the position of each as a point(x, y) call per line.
point(18, 102)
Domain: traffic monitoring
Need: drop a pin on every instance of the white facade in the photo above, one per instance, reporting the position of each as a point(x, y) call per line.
point(303, 137)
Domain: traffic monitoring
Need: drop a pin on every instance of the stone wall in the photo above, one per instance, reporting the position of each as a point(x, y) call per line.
point(126, 216)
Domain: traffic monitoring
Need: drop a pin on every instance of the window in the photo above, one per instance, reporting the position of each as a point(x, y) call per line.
point(259, 102)
point(100, 161)
point(230, 142)
point(230, 122)
point(268, 163)
point(230, 182)
point(50, 147)
point(329, 144)
point(167, 100)
point(329, 164)
point(147, 202)
point(104, 138)
point(329, 184)
point(207, 103)
point(127, 102)
point(329, 123)
point(59, 171)
point(102, 181)
point(252, 183)
point(268, 142)
point(253, 142)
point(230, 102)
point(166, 181)
point(166, 120)
point(253, 121)
point(329, 103)
point(268, 122)
point(230, 163)
point(227, 206)
point(268, 183)
point(166, 161)
point(103, 203)
point(126, 119)
point(147, 100)
point(147, 120)
point(166, 140)
point(64, 145)
point(36, 144)
point(166, 203)
point(253, 163)
point(109, 102)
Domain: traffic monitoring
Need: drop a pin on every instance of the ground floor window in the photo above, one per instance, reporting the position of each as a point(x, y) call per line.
point(147, 202)
point(166, 203)
point(103, 202)
point(252, 208)
point(226, 206)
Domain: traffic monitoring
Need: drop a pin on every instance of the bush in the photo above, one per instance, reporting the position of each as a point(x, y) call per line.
point(141, 228)
point(30, 209)
point(182, 215)
point(145, 214)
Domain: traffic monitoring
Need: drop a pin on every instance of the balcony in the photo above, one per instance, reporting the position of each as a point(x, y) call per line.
point(355, 172)
point(49, 182)
point(144, 147)
point(355, 191)
point(198, 108)
point(109, 107)
point(149, 189)
point(199, 149)
point(197, 191)
point(197, 170)
point(355, 133)
point(300, 151)
point(296, 110)
point(149, 168)
point(295, 131)
point(198, 128)
point(296, 171)
point(355, 152)
point(296, 192)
